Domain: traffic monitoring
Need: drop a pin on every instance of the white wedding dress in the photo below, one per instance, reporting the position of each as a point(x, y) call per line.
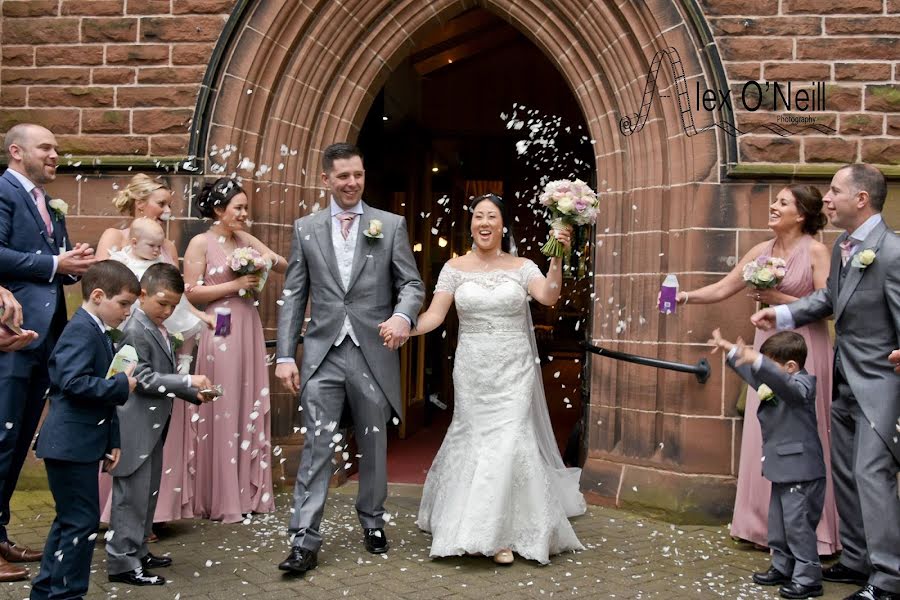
point(498, 480)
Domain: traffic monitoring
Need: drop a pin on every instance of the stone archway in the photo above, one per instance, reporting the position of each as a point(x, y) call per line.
point(289, 79)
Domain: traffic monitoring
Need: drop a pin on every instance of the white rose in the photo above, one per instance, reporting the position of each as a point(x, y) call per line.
point(59, 205)
point(566, 205)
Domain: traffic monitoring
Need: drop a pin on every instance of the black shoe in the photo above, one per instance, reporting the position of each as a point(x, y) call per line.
point(798, 590)
point(299, 561)
point(838, 573)
point(870, 592)
point(376, 541)
point(771, 577)
point(138, 577)
point(155, 562)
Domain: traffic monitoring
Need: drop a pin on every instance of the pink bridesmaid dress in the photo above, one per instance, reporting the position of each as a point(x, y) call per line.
point(233, 460)
point(176, 484)
point(751, 505)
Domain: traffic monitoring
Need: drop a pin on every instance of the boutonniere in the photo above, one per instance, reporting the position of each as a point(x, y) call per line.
point(863, 259)
point(766, 394)
point(114, 334)
point(59, 208)
point(176, 339)
point(373, 231)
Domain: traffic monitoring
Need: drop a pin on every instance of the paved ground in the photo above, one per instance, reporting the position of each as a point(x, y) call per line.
point(626, 556)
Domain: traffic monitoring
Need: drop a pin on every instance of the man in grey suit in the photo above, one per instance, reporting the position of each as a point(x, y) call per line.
point(863, 294)
point(792, 457)
point(143, 423)
point(354, 265)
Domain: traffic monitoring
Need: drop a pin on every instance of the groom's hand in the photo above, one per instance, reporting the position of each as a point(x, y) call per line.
point(394, 332)
point(289, 376)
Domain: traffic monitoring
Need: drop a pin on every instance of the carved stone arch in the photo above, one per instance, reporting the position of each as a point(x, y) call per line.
point(297, 76)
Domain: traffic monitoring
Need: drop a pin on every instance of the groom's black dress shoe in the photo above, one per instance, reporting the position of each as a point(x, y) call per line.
point(375, 540)
point(138, 577)
point(800, 591)
point(838, 573)
point(771, 577)
point(155, 562)
point(299, 561)
point(870, 592)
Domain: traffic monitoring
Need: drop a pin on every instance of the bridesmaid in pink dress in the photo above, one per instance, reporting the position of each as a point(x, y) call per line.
point(145, 196)
point(795, 216)
point(233, 462)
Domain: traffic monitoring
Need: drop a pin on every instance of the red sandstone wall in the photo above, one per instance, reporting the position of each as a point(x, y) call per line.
point(854, 46)
point(109, 77)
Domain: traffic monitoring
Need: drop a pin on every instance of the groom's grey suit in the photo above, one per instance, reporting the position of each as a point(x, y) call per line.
point(382, 281)
point(865, 452)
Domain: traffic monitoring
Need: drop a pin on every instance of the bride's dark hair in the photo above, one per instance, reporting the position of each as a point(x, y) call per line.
point(506, 242)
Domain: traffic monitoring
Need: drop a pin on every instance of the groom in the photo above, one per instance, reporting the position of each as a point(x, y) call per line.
point(863, 294)
point(355, 266)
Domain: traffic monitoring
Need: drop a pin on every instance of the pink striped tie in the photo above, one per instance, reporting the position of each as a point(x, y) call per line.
point(846, 250)
point(41, 202)
point(346, 219)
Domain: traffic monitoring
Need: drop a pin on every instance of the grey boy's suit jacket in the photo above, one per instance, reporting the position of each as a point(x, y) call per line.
point(866, 308)
point(792, 451)
point(383, 280)
point(143, 418)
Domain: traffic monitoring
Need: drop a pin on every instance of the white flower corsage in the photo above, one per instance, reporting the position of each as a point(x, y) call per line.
point(863, 259)
point(373, 231)
point(59, 208)
point(765, 394)
point(177, 340)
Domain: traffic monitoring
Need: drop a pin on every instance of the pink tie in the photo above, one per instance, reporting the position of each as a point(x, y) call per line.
point(346, 219)
point(41, 202)
point(165, 334)
point(846, 250)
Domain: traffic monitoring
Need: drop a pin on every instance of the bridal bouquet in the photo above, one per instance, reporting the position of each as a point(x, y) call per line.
point(248, 261)
point(764, 272)
point(571, 203)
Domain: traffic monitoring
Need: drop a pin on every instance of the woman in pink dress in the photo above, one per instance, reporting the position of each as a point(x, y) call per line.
point(149, 197)
point(234, 464)
point(794, 216)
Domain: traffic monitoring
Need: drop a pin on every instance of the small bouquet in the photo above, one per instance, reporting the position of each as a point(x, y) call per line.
point(571, 203)
point(764, 272)
point(248, 261)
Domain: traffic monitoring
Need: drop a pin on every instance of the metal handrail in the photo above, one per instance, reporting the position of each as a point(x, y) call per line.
point(700, 370)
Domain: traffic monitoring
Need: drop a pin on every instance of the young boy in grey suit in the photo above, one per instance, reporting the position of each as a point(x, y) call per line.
point(143, 422)
point(792, 457)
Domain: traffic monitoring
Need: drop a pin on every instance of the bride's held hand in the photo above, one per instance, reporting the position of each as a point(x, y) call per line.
point(563, 235)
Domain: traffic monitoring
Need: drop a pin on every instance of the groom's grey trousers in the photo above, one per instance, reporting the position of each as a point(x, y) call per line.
point(343, 374)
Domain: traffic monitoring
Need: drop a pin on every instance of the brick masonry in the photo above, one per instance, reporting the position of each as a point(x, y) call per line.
point(118, 80)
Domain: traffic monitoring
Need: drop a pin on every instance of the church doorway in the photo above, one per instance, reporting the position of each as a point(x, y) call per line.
point(476, 108)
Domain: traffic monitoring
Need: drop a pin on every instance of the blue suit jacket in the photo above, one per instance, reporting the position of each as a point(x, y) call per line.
point(26, 258)
point(81, 424)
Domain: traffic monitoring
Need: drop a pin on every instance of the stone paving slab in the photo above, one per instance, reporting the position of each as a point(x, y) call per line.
point(626, 556)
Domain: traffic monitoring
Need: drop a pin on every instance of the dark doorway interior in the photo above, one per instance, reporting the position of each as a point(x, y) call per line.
point(439, 133)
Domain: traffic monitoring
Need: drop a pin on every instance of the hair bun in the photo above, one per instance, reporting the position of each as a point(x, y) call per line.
point(216, 194)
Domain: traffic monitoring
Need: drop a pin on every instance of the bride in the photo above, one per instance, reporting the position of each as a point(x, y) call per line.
point(497, 484)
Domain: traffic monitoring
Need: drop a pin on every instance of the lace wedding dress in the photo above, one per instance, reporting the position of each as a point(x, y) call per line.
point(498, 480)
